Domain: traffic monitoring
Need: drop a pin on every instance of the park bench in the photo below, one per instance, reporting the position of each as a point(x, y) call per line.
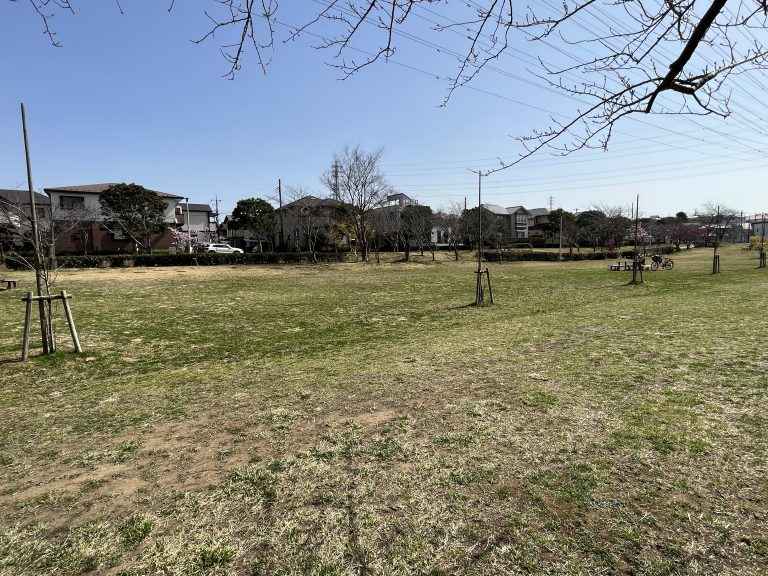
point(621, 266)
point(627, 266)
point(10, 283)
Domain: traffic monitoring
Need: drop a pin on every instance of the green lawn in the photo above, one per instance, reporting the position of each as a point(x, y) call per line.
point(362, 419)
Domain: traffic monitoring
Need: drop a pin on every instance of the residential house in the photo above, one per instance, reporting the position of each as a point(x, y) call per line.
point(304, 220)
point(513, 221)
point(397, 201)
point(239, 237)
point(202, 224)
point(537, 219)
point(757, 224)
point(14, 215)
point(91, 235)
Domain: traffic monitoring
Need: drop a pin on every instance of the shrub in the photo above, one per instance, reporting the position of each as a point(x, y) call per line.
point(185, 259)
point(528, 256)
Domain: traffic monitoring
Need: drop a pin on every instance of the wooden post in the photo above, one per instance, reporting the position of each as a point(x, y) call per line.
point(65, 301)
point(490, 292)
point(27, 327)
point(29, 298)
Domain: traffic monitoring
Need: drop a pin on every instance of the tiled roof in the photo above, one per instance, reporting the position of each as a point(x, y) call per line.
point(195, 207)
point(313, 201)
point(22, 197)
point(496, 209)
point(99, 188)
point(538, 211)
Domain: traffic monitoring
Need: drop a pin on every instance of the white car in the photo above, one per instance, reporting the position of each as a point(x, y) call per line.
point(221, 249)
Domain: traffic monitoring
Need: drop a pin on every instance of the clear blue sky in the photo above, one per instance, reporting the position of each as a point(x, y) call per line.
point(131, 98)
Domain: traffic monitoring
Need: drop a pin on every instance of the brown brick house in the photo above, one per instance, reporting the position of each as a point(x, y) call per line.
point(91, 236)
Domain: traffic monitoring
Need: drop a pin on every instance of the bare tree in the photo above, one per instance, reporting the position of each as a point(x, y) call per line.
point(637, 51)
point(310, 216)
point(615, 225)
point(716, 219)
point(361, 185)
point(449, 225)
point(492, 226)
point(417, 227)
point(386, 228)
point(39, 254)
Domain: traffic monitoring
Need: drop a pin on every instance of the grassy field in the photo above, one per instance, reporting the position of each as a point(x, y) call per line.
point(362, 419)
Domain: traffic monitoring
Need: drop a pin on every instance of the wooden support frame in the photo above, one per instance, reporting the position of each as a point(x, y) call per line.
point(483, 283)
point(28, 299)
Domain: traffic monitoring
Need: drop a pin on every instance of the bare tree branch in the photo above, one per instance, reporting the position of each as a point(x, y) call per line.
point(631, 69)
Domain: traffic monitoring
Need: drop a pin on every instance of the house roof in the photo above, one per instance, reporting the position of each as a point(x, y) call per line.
point(22, 197)
point(196, 207)
point(496, 209)
point(99, 188)
point(313, 201)
point(538, 211)
point(400, 196)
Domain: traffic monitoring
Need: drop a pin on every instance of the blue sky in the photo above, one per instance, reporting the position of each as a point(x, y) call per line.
point(131, 98)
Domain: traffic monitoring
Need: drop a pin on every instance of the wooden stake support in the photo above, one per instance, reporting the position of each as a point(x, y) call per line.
point(483, 281)
point(29, 298)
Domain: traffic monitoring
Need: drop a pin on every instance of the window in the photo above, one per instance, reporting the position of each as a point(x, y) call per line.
point(71, 202)
point(521, 218)
point(40, 212)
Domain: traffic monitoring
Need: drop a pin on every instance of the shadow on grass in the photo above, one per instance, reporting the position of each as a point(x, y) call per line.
point(465, 306)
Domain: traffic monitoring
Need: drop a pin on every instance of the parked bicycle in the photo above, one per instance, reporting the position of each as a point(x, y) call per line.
point(661, 262)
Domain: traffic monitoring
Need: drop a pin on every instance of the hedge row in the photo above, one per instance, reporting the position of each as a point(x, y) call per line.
point(208, 259)
point(520, 256)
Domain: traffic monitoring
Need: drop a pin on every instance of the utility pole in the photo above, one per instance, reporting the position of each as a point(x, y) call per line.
point(280, 200)
point(551, 198)
point(216, 215)
point(560, 249)
point(336, 180)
